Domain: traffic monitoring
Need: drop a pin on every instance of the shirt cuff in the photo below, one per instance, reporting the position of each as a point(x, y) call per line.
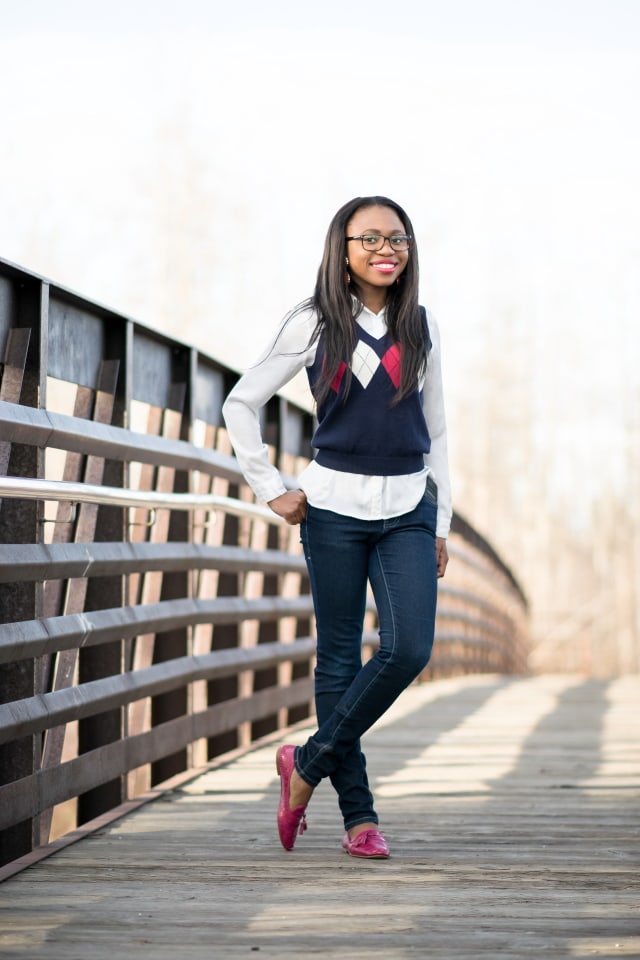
point(443, 526)
point(266, 492)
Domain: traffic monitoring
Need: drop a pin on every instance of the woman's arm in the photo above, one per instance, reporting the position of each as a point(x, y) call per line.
point(285, 356)
point(437, 459)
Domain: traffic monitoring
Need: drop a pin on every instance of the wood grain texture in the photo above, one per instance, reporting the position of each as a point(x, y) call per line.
point(511, 807)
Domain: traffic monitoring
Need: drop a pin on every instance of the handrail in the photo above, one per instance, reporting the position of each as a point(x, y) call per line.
point(20, 488)
point(45, 428)
point(39, 713)
point(34, 638)
point(25, 562)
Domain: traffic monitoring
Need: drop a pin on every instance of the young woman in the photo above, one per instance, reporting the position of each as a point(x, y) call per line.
point(374, 506)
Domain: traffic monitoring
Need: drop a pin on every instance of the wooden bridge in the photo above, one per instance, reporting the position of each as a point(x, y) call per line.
point(156, 624)
point(511, 807)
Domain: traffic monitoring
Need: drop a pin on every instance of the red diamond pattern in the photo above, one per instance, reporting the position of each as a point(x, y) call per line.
point(392, 362)
point(337, 380)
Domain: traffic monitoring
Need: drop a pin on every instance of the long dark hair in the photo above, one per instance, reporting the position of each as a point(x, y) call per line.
point(333, 302)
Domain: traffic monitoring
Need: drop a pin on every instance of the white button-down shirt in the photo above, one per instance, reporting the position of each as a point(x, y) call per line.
point(354, 495)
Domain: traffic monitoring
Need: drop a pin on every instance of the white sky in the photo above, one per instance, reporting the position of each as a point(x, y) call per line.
point(181, 161)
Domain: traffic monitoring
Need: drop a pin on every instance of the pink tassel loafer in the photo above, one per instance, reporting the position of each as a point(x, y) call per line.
point(290, 822)
point(368, 843)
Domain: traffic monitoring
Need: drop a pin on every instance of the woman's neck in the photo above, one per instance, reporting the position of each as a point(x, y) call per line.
point(375, 299)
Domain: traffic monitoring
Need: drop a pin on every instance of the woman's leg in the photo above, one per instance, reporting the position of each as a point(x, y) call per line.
point(350, 779)
point(337, 555)
point(402, 570)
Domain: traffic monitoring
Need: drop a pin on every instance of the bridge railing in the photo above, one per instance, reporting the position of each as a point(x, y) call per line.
point(152, 616)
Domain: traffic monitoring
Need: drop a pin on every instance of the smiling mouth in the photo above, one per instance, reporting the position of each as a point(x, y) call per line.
point(384, 266)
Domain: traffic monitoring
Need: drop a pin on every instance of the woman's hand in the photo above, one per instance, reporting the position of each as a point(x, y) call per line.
point(291, 506)
point(442, 555)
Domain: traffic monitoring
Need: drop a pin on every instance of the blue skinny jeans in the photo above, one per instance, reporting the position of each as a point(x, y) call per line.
point(398, 558)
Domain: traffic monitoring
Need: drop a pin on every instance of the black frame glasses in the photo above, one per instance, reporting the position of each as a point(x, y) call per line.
point(376, 241)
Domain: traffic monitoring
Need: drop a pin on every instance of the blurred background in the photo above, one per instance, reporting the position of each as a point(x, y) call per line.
point(180, 162)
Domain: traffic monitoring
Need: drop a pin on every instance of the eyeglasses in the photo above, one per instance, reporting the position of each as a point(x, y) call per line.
point(375, 241)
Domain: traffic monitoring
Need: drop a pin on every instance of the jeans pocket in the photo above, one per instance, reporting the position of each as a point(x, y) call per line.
point(431, 491)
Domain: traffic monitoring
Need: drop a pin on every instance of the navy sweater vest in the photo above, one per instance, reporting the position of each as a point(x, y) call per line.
point(362, 433)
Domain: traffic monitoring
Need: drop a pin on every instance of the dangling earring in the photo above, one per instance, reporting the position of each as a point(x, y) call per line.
point(347, 275)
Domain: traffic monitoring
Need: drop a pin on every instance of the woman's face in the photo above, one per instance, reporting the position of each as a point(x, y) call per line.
point(379, 268)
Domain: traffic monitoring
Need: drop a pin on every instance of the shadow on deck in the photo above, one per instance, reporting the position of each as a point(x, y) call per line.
point(511, 808)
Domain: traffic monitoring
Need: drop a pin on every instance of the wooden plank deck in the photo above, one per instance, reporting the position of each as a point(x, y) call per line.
point(511, 807)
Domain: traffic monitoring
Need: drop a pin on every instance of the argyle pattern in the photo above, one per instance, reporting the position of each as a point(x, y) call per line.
point(364, 363)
